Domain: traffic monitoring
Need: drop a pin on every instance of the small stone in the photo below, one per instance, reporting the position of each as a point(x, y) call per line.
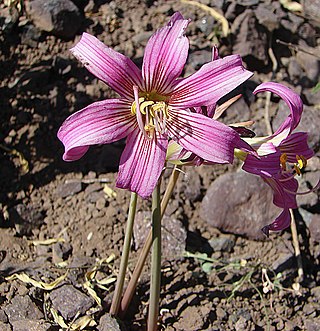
point(5, 327)
point(3, 316)
point(309, 122)
point(69, 301)
point(21, 308)
point(108, 323)
point(68, 189)
point(222, 243)
point(55, 16)
point(314, 229)
point(101, 203)
point(221, 314)
point(174, 235)
point(26, 218)
point(31, 325)
point(239, 203)
point(251, 37)
point(312, 325)
point(310, 65)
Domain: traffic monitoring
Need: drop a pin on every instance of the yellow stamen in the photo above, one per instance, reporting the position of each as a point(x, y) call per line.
point(283, 161)
point(297, 169)
point(302, 161)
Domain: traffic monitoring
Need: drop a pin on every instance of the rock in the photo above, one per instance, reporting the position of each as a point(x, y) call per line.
point(3, 317)
point(311, 8)
point(222, 243)
point(55, 16)
point(69, 301)
point(239, 203)
point(314, 228)
point(206, 24)
point(26, 218)
point(284, 261)
point(190, 186)
point(5, 327)
point(21, 308)
point(31, 325)
point(108, 323)
point(309, 122)
point(309, 179)
point(294, 69)
point(69, 188)
point(192, 318)
point(174, 235)
point(310, 65)
point(251, 38)
point(312, 325)
point(30, 35)
point(267, 17)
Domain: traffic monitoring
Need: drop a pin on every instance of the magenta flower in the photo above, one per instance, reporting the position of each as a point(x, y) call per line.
point(153, 106)
point(282, 156)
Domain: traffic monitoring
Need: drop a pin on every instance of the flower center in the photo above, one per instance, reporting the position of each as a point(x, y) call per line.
point(152, 114)
point(297, 167)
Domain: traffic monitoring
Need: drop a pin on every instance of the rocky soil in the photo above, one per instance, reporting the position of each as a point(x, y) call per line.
point(62, 224)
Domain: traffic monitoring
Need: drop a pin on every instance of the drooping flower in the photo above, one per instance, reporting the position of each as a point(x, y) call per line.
point(282, 156)
point(153, 106)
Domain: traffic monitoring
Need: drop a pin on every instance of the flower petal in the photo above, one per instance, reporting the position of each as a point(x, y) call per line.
point(165, 56)
point(207, 138)
point(141, 163)
point(265, 166)
point(280, 223)
point(214, 80)
point(280, 187)
point(294, 103)
point(296, 144)
point(99, 123)
point(115, 69)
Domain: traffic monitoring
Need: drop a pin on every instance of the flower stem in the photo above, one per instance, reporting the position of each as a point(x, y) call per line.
point(155, 262)
point(127, 297)
point(116, 300)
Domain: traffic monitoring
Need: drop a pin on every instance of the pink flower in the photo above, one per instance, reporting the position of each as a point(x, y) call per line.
point(282, 156)
point(153, 106)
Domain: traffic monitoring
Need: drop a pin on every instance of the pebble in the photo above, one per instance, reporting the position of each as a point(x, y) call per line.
point(55, 16)
point(108, 323)
point(68, 189)
point(174, 235)
point(22, 307)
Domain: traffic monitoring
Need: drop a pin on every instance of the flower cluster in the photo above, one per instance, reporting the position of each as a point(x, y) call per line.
point(165, 117)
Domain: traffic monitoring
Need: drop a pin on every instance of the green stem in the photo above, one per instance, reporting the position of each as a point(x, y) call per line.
point(116, 300)
point(155, 262)
point(127, 297)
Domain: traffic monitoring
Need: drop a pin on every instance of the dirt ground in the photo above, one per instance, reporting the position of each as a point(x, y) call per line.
point(212, 278)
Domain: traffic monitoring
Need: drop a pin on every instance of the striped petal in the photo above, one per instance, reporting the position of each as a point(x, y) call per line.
point(266, 166)
point(210, 83)
point(102, 122)
point(207, 138)
point(294, 103)
point(296, 144)
point(141, 163)
point(165, 56)
point(280, 223)
point(115, 69)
